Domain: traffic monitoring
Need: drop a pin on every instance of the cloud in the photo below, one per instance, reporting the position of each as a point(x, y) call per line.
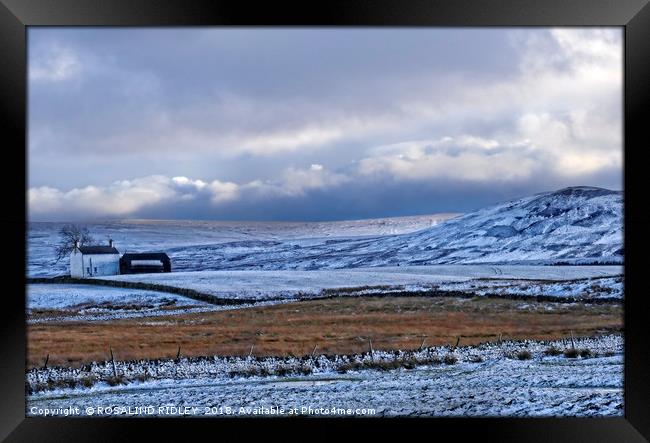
point(223, 192)
point(298, 181)
point(467, 158)
point(564, 117)
point(119, 199)
point(286, 140)
point(127, 198)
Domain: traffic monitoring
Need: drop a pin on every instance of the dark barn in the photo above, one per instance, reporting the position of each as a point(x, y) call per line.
point(146, 262)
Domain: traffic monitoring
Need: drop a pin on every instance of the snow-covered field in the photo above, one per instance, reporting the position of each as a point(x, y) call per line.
point(499, 385)
point(610, 288)
point(62, 296)
point(90, 303)
point(565, 281)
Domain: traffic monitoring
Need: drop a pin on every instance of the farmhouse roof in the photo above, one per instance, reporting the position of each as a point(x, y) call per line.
point(145, 256)
point(98, 250)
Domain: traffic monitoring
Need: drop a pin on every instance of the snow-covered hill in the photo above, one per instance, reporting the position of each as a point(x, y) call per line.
point(572, 225)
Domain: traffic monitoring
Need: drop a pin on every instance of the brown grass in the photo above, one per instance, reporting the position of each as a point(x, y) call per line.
point(339, 325)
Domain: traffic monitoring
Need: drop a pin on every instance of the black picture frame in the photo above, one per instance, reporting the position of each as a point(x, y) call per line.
point(633, 15)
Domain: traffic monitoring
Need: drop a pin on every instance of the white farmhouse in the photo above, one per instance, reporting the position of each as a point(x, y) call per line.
point(91, 261)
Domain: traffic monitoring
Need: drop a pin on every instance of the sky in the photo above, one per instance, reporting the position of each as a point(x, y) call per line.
point(316, 123)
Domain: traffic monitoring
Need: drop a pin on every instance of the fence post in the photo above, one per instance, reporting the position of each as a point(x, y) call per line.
point(113, 362)
point(573, 345)
point(424, 337)
point(314, 350)
point(46, 360)
point(251, 351)
point(372, 353)
point(178, 354)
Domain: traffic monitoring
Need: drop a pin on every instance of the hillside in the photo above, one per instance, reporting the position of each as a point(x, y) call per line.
point(569, 224)
point(572, 225)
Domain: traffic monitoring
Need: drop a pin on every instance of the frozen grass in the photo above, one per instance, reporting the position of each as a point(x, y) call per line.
point(214, 366)
point(571, 353)
point(394, 384)
point(337, 325)
point(552, 351)
point(524, 355)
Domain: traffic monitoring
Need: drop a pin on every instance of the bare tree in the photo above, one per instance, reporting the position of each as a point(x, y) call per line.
point(71, 235)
